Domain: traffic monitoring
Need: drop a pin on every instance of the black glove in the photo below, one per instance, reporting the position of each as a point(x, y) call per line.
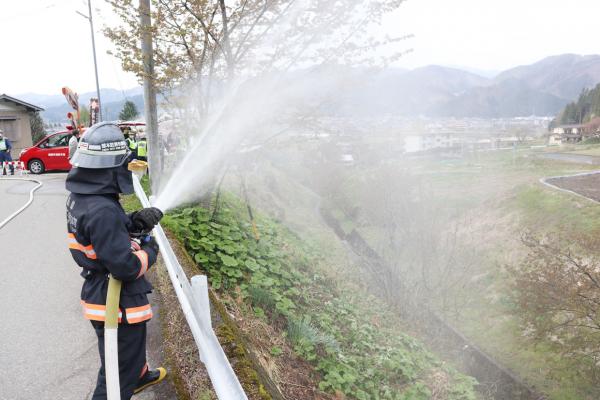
point(146, 219)
point(150, 246)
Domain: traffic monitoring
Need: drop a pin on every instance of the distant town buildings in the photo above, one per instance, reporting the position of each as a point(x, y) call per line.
point(379, 140)
point(470, 133)
point(575, 133)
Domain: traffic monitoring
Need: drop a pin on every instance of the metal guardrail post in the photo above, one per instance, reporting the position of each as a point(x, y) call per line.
point(195, 307)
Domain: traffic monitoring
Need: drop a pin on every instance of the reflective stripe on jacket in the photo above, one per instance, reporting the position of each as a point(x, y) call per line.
point(133, 315)
point(88, 251)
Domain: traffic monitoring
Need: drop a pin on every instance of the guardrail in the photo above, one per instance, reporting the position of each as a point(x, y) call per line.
point(193, 298)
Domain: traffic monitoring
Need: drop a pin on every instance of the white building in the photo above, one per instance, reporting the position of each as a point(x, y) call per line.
point(429, 141)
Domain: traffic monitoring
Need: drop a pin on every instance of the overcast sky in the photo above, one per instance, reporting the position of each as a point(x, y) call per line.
point(46, 45)
point(495, 34)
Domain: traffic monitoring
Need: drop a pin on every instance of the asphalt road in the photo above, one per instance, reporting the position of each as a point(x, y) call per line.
point(47, 350)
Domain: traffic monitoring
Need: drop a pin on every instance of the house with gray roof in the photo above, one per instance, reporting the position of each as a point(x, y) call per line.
point(15, 122)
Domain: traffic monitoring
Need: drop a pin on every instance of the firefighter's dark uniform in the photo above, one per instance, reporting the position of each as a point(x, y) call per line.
point(99, 241)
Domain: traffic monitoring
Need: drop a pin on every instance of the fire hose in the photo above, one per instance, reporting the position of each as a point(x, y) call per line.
point(20, 210)
point(111, 343)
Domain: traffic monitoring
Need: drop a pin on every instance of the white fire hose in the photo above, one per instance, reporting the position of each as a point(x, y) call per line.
point(20, 210)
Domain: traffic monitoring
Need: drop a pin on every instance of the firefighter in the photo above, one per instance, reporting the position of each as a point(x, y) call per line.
point(100, 241)
point(142, 149)
point(5, 148)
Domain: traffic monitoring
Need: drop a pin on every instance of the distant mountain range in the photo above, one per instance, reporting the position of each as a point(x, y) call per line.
point(563, 76)
point(56, 107)
point(542, 89)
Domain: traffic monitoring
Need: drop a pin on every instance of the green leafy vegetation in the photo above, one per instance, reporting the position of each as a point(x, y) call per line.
point(346, 335)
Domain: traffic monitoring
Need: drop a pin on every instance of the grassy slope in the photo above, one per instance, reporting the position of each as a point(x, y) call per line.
point(515, 196)
point(504, 196)
point(543, 210)
point(366, 344)
point(348, 337)
point(491, 320)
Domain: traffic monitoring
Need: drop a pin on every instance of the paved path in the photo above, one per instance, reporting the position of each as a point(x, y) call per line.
point(47, 350)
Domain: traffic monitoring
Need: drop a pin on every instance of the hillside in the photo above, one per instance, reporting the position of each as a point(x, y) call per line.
point(542, 88)
point(583, 110)
point(564, 76)
point(111, 109)
point(56, 107)
point(401, 92)
point(509, 98)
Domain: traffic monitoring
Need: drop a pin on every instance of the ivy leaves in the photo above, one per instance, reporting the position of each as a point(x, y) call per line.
point(231, 255)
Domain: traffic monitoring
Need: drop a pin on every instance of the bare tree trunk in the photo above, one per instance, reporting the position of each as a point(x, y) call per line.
point(154, 150)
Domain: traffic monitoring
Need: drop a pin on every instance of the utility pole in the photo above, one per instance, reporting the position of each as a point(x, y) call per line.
point(89, 18)
point(154, 152)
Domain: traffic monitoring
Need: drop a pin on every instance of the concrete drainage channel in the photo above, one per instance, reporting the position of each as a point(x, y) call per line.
point(495, 381)
point(29, 201)
point(551, 180)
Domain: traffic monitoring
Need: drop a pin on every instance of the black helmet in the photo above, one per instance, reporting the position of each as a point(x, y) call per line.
point(101, 146)
point(100, 162)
